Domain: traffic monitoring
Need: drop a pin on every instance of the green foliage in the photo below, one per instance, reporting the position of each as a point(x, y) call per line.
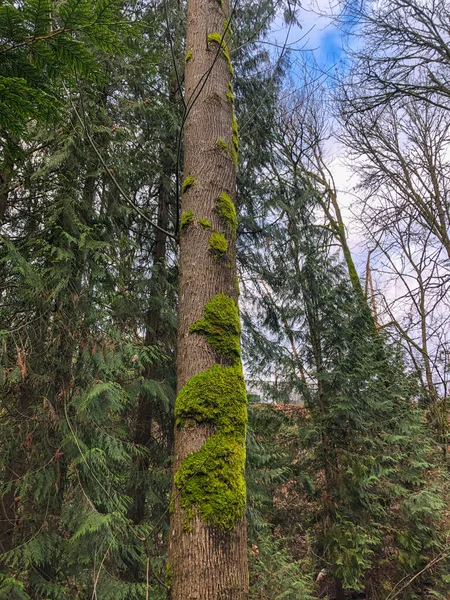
point(80, 287)
point(42, 44)
point(12, 588)
point(363, 456)
point(74, 364)
point(274, 575)
point(26, 102)
point(275, 570)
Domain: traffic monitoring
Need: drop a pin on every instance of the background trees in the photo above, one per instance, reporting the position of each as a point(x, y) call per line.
point(349, 490)
point(404, 52)
point(395, 126)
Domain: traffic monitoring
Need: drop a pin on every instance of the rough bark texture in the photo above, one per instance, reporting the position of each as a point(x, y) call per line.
point(5, 180)
point(206, 561)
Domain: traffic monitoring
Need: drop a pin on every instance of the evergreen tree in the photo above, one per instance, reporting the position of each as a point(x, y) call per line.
point(365, 455)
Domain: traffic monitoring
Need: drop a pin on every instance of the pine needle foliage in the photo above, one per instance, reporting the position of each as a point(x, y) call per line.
point(363, 461)
point(274, 572)
point(41, 43)
point(73, 366)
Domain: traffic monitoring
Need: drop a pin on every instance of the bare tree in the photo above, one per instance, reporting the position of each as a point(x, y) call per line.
point(405, 170)
point(405, 52)
point(400, 152)
point(304, 132)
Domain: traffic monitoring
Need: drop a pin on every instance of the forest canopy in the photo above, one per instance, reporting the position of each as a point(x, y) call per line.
point(224, 315)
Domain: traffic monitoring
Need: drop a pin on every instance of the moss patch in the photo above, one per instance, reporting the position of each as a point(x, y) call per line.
point(216, 396)
point(205, 223)
point(230, 93)
point(229, 150)
point(187, 183)
point(169, 575)
point(186, 219)
point(221, 327)
point(218, 39)
point(234, 125)
point(227, 28)
point(222, 144)
point(218, 244)
point(188, 56)
point(211, 482)
point(227, 210)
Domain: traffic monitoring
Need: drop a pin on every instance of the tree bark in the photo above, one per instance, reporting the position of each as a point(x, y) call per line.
point(5, 181)
point(338, 589)
point(207, 549)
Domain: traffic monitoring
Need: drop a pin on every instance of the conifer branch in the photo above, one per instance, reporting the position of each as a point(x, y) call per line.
point(428, 566)
point(31, 39)
point(112, 177)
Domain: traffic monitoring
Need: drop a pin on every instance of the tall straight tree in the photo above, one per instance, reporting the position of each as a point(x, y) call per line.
point(207, 547)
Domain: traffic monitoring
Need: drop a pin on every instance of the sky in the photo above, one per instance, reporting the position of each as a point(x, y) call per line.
point(320, 42)
point(317, 36)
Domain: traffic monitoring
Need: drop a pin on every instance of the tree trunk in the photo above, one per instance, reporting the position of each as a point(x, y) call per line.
point(5, 181)
point(338, 589)
point(208, 545)
point(148, 408)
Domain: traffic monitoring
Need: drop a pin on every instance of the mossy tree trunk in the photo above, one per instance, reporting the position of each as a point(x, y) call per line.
point(208, 546)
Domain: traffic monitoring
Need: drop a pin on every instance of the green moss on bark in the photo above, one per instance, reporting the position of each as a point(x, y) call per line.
point(218, 244)
point(187, 183)
point(205, 223)
point(222, 144)
point(188, 56)
point(234, 125)
point(186, 219)
point(230, 93)
point(235, 139)
point(227, 28)
point(169, 575)
point(227, 210)
point(218, 39)
point(211, 482)
point(216, 396)
point(221, 327)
